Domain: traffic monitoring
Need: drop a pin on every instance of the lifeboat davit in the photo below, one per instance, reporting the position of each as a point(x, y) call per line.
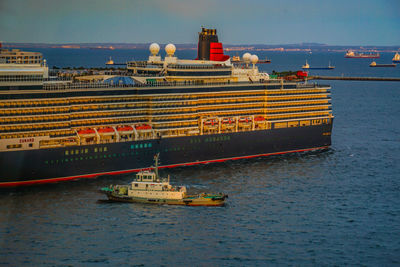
point(106, 131)
point(143, 127)
point(259, 118)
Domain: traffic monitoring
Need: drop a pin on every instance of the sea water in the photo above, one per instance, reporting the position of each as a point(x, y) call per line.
point(338, 207)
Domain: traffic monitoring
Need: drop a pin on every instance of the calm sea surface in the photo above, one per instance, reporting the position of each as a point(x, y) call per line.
point(339, 207)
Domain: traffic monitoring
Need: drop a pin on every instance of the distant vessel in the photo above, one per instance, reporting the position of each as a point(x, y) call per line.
point(374, 64)
point(148, 187)
point(352, 54)
point(236, 59)
point(103, 47)
point(307, 66)
point(110, 62)
point(396, 58)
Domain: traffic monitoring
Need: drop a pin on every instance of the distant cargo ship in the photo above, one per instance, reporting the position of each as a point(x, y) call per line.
point(396, 58)
point(103, 47)
point(374, 64)
point(352, 54)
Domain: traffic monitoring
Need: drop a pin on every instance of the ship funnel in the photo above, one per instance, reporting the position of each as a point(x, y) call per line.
point(208, 47)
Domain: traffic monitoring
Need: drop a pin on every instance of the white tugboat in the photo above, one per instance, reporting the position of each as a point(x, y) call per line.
point(148, 187)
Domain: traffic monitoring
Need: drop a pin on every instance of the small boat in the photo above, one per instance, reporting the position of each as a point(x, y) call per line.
point(110, 62)
point(235, 58)
point(374, 64)
point(307, 66)
point(106, 131)
point(259, 118)
point(124, 129)
point(396, 58)
point(143, 127)
point(148, 187)
point(87, 132)
point(228, 121)
point(211, 122)
point(264, 61)
point(245, 119)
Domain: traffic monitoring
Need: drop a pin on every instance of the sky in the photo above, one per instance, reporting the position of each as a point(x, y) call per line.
point(338, 22)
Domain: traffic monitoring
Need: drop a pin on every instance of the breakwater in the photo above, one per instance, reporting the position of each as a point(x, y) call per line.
point(389, 79)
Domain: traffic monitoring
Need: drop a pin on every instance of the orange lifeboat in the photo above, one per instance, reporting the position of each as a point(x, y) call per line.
point(124, 129)
point(210, 122)
point(142, 127)
point(106, 131)
point(259, 118)
point(228, 121)
point(87, 132)
point(245, 119)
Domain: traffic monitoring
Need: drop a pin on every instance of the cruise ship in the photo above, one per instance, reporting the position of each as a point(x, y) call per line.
point(190, 111)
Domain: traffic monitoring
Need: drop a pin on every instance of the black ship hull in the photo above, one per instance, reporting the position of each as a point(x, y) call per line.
point(68, 163)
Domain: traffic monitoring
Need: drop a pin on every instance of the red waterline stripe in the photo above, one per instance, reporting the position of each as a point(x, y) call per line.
point(94, 175)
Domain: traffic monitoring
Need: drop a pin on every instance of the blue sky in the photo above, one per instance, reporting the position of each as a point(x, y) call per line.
point(339, 22)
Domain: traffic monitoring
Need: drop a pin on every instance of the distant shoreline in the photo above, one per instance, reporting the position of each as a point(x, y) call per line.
point(227, 47)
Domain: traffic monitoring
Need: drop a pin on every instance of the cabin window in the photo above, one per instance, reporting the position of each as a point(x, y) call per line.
point(14, 146)
point(95, 149)
point(105, 149)
point(150, 144)
point(66, 152)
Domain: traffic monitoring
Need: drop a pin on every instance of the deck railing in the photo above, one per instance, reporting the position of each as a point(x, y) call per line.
point(68, 85)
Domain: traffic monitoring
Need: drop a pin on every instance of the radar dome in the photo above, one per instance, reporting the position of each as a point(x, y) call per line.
point(170, 49)
point(246, 57)
point(254, 59)
point(154, 49)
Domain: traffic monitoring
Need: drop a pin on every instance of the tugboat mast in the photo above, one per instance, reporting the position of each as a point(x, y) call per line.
point(156, 165)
